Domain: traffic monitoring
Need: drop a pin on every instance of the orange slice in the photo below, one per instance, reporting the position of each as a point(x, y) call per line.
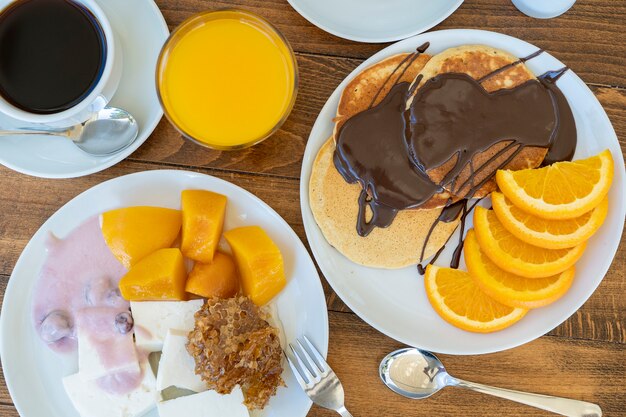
point(516, 256)
point(511, 289)
point(457, 299)
point(563, 190)
point(549, 234)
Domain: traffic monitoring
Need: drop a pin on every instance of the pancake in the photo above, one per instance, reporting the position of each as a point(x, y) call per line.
point(478, 61)
point(363, 90)
point(334, 204)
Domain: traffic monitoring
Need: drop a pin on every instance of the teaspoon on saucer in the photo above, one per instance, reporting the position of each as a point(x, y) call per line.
point(108, 131)
point(418, 374)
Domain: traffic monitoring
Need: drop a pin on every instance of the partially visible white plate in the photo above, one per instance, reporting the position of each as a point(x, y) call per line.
point(33, 372)
point(394, 301)
point(375, 21)
point(142, 32)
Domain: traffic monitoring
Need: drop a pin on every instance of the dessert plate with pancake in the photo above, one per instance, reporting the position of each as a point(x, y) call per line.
point(160, 294)
point(404, 154)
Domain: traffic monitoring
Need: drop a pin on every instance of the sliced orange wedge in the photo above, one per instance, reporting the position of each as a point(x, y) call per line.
point(511, 289)
point(549, 234)
point(563, 190)
point(516, 256)
point(458, 300)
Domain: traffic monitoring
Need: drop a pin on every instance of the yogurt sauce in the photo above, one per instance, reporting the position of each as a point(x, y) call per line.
point(79, 281)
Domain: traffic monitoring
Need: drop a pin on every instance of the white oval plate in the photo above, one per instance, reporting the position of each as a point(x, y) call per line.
point(375, 21)
point(33, 372)
point(142, 32)
point(394, 301)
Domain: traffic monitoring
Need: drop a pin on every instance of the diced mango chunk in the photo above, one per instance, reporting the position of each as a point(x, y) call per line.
point(159, 276)
point(217, 279)
point(132, 233)
point(203, 219)
point(260, 263)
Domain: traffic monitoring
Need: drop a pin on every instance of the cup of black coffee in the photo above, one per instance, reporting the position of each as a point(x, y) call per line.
point(59, 60)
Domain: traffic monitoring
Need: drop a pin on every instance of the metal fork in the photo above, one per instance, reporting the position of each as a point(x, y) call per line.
point(316, 378)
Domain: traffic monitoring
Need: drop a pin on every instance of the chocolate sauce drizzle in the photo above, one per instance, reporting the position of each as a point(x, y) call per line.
point(410, 58)
point(448, 214)
point(388, 149)
point(456, 255)
point(511, 65)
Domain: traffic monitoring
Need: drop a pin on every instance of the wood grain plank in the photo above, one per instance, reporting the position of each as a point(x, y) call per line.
point(7, 410)
point(589, 37)
point(282, 153)
point(614, 103)
point(550, 365)
point(33, 200)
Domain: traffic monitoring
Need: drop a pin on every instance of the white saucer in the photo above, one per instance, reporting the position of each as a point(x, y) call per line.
point(375, 21)
point(394, 301)
point(142, 32)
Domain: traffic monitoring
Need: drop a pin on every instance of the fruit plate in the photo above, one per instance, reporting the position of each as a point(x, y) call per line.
point(394, 301)
point(33, 372)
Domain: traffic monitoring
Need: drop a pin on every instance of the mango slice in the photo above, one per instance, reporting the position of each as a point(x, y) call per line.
point(203, 219)
point(159, 276)
point(132, 233)
point(259, 261)
point(217, 279)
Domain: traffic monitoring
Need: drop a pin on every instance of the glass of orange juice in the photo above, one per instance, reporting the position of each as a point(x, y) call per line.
point(227, 79)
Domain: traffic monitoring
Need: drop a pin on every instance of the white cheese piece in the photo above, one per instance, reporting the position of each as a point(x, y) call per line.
point(154, 318)
point(102, 349)
point(205, 404)
point(176, 367)
point(91, 401)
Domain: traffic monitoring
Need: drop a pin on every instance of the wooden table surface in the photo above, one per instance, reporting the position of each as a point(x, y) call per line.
point(582, 358)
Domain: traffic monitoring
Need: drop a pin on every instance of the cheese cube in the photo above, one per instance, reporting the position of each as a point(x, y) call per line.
point(102, 349)
point(176, 367)
point(92, 401)
point(205, 404)
point(154, 318)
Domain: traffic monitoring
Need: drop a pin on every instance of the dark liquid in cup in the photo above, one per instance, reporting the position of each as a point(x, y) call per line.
point(52, 54)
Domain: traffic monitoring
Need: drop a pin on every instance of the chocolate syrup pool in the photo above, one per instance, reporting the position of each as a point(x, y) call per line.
point(454, 116)
point(389, 179)
point(388, 149)
point(77, 291)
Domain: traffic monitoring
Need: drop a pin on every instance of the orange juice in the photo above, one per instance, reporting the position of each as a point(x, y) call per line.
point(227, 79)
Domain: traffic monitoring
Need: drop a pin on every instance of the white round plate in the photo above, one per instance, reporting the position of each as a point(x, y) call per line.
point(394, 301)
point(142, 32)
point(33, 372)
point(375, 21)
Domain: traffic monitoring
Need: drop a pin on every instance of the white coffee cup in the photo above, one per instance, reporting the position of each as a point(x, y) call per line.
point(100, 95)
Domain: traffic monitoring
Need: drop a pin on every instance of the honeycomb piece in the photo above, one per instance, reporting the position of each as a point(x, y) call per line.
point(233, 345)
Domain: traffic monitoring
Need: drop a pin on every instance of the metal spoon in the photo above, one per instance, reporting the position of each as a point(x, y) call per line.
point(108, 131)
point(418, 374)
